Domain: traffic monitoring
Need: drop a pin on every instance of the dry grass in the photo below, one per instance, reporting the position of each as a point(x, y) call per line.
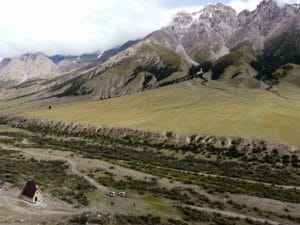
point(190, 107)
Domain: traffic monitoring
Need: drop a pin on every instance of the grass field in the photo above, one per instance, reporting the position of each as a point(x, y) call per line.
point(190, 107)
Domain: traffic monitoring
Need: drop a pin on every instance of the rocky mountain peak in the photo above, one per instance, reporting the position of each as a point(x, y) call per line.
point(213, 14)
point(4, 62)
point(27, 66)
point(200, 35)
point(182, 19)
point(257, 26)
point(268, 9)
point(219, 17)
point(290, 10)
point(297, 6)
point(32, 56)
point(219, 12)
point(243, 17)
point(40, 66)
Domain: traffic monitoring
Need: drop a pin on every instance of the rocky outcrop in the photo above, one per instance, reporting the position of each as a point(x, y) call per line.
point(139, 136)
point(203, 35)
point(69, 63)
point(28, 66)
point(212, 32)
point(39, 66)
point(111, 52)
point(259, 25)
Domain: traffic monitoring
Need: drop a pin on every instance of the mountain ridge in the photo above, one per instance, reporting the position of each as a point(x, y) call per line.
point(209, 36)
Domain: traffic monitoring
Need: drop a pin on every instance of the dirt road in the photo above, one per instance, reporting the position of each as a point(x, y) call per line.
point(287, 187)
point(232, 214)
point(73, 166)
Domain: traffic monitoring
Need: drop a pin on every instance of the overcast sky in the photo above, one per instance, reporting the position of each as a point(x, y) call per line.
point(83, 26)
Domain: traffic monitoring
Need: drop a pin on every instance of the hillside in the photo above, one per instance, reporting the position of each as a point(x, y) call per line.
point(196, 123)
point(28, 66)
point(244, 50)
point(262, 69)
point(190, 107)
point(38, 66)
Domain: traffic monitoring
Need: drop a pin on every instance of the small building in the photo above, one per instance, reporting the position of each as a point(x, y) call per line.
point(32, 193)
point(2, 183)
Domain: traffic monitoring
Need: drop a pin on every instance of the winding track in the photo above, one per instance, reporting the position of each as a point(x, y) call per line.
point(286, 187)
point(102, 188)
point(73, 166)
point(11, 203)
point(232, 214)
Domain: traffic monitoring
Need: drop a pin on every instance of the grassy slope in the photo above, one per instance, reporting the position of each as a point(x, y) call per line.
point(152, 58)
point(190, 107)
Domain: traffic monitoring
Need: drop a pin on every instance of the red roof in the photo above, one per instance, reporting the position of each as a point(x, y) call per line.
point(30, 189)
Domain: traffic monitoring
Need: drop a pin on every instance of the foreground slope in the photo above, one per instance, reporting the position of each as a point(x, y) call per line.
point(165, 184)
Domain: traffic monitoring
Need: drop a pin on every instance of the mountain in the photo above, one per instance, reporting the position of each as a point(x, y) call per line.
point(261, 24)
point(69, 63)
point(234, 43)
point(241, 50)
point(26, 67)
point(39, 66)
point(201, 35)
point(111, 52)
point(216, 29)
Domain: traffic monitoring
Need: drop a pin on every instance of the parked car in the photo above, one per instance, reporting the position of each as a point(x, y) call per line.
point(111, 194)
point(122, 194)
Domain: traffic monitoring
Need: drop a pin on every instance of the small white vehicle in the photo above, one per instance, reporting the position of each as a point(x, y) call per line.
point(111, 194)
point(122, 194)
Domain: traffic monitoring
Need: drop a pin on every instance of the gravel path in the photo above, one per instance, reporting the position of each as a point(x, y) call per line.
point(232, 214)
point(287, 187)
point(73, 166)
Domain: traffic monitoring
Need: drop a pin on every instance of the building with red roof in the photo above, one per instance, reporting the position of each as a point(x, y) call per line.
point(32, 193)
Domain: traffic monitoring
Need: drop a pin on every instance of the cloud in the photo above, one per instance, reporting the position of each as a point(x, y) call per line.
point(240, 5)
point(82, 26)
point(74, 27)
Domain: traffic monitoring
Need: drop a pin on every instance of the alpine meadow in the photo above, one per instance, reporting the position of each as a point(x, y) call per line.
point(150, 112)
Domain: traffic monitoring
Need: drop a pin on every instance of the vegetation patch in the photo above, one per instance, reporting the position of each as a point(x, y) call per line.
point(169, 62)
point(52, 176)
point(193, 215)
point(238, 57)
point(155, 161)
point(118, 219)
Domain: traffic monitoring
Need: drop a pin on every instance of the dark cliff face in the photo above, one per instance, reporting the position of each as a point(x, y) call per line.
point(282, 48)
point(267, 10)
point(259, 25)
